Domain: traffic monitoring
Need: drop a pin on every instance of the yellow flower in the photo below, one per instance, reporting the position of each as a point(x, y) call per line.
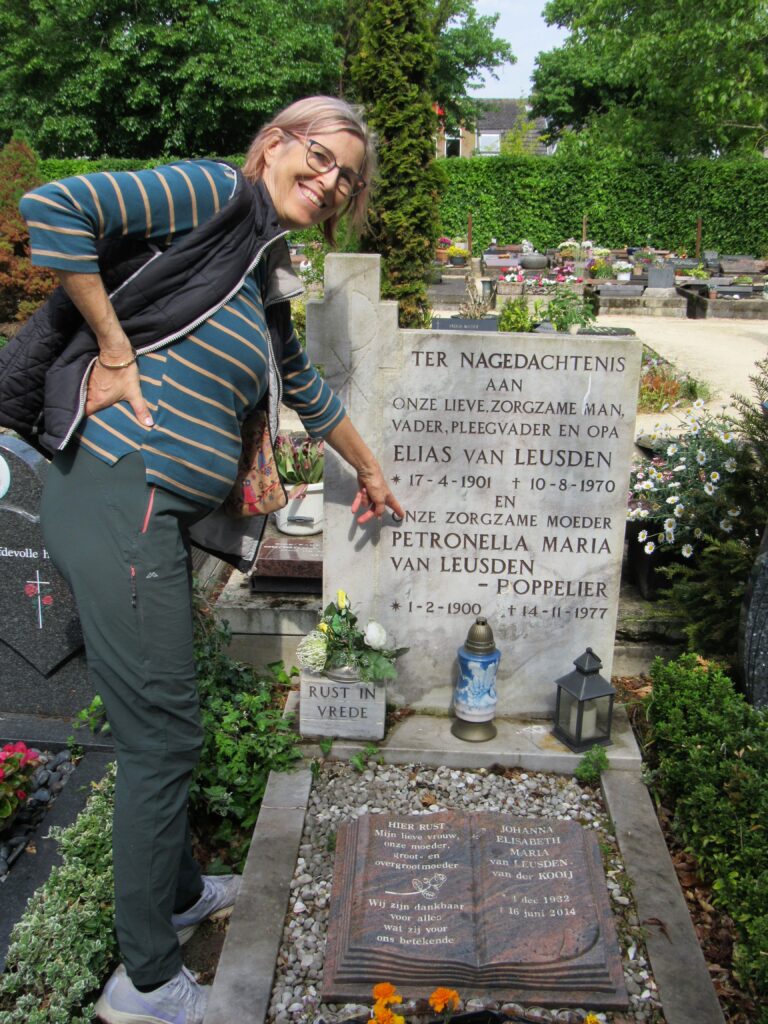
point(341, 599)
point(323, 627)
point(591, 1019)
point(443, 998)
point(385, 993)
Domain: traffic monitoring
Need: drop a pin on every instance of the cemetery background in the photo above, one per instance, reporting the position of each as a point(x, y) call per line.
point(358, 295)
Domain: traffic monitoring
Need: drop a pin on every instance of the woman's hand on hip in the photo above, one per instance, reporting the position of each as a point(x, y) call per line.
point(107, 387)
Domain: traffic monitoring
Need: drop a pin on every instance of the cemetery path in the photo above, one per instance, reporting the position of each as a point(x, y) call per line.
point(720, 352)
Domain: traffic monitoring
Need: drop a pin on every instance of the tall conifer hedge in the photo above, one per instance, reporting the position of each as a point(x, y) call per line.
point(390, 76)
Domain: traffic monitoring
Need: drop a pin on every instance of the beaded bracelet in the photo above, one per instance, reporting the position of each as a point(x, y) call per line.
point(117, 366)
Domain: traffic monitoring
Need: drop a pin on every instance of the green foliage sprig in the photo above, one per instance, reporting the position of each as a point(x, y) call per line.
point(710, 758)
point(592, 765)
point(245, 737)
point(516, 315)
point(567, 309)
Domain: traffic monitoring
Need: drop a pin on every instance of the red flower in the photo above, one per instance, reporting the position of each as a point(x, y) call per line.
point(48, 599)
point(2, 774)
point(21, 794)
point(30, 589)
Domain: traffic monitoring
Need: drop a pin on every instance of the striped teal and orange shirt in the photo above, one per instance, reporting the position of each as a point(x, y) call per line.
point(201, 387)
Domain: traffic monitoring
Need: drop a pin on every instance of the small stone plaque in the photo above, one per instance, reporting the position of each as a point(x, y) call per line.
point(499, 907)
point(40, 635)
point(342, 709)
point(458, 323)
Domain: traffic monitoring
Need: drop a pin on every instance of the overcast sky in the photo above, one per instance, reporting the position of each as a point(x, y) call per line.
point(522, 25)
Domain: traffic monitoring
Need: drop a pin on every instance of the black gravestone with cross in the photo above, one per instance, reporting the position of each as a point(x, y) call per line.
point(42, 664)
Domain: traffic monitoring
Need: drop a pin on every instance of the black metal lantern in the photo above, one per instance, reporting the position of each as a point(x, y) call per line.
point(584, 708)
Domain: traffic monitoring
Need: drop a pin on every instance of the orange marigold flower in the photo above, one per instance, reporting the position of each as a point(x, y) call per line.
point(443, 998)
point(383, 1015)
point(385, 992)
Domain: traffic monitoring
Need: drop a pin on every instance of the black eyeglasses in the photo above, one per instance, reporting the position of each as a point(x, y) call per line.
point(348, 184)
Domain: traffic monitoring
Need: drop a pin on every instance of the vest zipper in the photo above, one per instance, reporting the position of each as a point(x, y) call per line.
point(170, 338)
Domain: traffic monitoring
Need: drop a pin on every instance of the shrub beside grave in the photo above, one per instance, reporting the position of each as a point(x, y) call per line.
point(710, 754)
point(64, 946)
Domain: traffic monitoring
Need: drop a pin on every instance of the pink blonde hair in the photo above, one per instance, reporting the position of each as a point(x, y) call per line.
point(321, 114)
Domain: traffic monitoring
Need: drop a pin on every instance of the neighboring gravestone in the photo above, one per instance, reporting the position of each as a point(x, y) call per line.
point(500, 907)
point(511, 456)
point(342, 708)
point(43, 671)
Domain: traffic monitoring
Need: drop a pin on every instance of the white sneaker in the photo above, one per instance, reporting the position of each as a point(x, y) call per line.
point(216, 901)
point(180, 1001)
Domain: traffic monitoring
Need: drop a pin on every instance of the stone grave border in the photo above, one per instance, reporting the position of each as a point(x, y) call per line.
point(245, 974)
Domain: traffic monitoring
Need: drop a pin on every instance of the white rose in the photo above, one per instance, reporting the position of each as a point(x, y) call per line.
point(375, 636)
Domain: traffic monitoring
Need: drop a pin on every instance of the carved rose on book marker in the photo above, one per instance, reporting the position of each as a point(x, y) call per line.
point(428, 888)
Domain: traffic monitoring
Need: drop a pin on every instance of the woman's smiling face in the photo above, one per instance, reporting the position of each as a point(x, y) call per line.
point(301, 195)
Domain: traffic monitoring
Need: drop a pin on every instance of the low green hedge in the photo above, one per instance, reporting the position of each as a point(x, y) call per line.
point(544, 199)
point(709, 748)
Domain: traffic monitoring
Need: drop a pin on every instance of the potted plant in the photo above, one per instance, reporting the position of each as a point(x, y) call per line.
point(531, 259)
point(457, 255)
point(599, 267)
point(622, 270)
point(443, 245)
point(300, 465)
point(567, 311)
point(338, 647)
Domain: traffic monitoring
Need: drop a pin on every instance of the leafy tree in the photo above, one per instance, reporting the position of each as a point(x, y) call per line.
point(466, 48)
point(162, 77)
point(518, 141)
point(392, 74)
point(665, 78)
point(156, 78)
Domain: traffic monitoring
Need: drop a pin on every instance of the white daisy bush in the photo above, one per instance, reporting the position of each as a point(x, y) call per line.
point(681, 493)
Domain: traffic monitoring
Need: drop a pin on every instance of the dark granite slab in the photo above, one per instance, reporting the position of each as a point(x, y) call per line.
point(42, 669)
point(501, 907)
point(282, 554)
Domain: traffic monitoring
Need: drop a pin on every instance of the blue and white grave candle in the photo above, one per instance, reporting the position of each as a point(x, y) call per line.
point(474, 698)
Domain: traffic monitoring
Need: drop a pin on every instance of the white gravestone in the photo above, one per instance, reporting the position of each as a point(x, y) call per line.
point(345, 709)
point(511, 456)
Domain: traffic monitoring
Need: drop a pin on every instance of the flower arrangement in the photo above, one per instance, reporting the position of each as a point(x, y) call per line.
point(444, 242)
point(299, 460)
point(681, 495)
point(337, 642)
point(444, 1001)
point(621, 266)
point(17, 765)
point(458, 250)
point(599, 267)
point(527, 247)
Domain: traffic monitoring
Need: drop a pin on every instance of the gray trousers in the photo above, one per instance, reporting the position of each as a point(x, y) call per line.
point(122, 546)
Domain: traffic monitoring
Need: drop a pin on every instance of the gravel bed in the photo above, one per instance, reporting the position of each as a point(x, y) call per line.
point(341, 794)
point(49, 779)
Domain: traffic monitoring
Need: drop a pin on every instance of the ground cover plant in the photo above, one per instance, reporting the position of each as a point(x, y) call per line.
point(64, 946)
point(662, 385)
point(708, 752)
